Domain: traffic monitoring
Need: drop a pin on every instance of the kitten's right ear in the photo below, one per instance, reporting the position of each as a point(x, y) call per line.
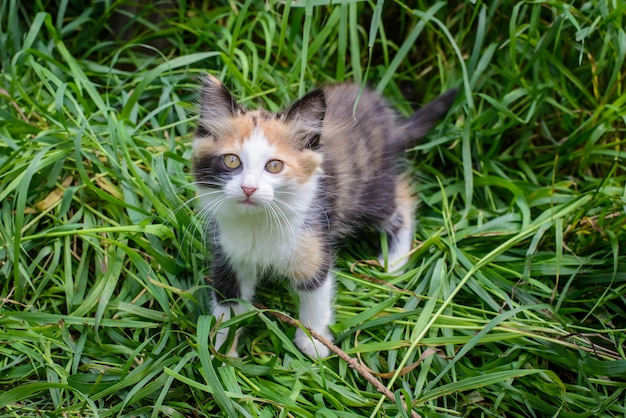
point(216, 105)
point(307, 114)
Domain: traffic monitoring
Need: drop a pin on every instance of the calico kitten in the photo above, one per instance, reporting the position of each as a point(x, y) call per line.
point(280, 190)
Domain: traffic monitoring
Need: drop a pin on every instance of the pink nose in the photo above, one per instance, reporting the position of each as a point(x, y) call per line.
point(248, 190)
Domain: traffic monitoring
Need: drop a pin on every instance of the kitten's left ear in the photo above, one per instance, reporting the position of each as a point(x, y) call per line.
point(307, 114)
point(216, 105)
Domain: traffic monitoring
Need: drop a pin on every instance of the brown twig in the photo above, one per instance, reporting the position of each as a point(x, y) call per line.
point(352, 362)
point(5, 93)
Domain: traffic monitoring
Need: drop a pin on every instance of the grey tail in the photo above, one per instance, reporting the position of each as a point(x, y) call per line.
point(422, 121)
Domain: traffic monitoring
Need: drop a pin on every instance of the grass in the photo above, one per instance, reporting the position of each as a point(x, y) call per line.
point(514, 302)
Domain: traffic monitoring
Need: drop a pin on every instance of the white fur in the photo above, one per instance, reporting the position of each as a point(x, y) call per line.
point(316, 313)
point(264, 234)
point(398, 254)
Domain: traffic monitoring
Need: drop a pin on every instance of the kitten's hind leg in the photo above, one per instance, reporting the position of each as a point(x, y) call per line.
point(316, 312)
point(399, 228)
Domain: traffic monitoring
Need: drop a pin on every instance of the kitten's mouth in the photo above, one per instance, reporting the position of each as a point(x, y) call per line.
point(248, 202)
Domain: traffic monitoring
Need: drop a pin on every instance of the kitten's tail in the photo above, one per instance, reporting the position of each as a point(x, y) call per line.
point(425, 118)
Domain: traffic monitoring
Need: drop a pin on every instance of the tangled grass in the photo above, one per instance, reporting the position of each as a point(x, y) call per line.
point(514, 301)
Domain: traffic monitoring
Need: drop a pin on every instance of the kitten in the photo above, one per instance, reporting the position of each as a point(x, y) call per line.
point(280, 190)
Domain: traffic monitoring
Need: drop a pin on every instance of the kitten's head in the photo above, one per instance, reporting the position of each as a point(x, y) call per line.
point(249, 162)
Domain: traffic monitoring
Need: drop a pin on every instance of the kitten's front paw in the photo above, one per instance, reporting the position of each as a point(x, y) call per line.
point(395, 262)
point(310, 346)
point(220, 340)
point(233, 352)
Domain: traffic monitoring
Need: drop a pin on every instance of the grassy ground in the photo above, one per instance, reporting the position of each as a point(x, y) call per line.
point(514, 302)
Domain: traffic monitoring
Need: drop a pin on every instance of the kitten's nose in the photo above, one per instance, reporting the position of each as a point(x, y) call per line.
point(248, 190)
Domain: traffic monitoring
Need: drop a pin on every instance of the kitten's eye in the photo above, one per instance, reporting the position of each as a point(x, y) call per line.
point(231, 161)
point(274, 166)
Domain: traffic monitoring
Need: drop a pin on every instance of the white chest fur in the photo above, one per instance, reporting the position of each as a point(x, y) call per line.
point(260, 240)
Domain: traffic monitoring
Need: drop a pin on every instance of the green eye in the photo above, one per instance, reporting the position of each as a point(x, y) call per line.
point(231, 161)
point(274, 166)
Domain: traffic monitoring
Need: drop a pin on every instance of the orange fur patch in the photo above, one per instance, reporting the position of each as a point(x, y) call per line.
point(308, 259)
point(405, 201)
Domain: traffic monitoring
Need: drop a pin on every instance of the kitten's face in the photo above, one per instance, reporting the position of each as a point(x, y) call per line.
point(248, 163)
point(256, 162)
